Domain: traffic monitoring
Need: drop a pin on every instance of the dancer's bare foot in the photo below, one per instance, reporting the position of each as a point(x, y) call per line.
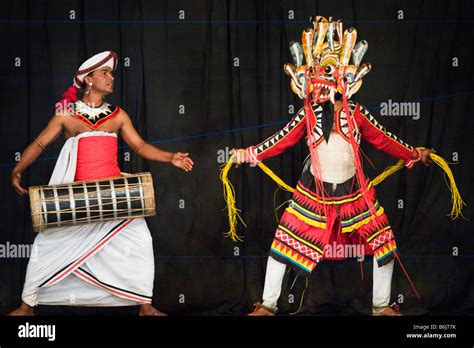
point(23, 310)
point(149, 310)
point(261, 311)
point(387, 311)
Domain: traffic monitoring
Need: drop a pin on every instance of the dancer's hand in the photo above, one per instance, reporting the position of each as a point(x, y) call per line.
point(181, 160)
point(240, 157)
point(425, 156)
point(16, 183)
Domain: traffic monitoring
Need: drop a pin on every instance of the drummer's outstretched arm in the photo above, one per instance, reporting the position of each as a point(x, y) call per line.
point(149, 151)
point(35, 149)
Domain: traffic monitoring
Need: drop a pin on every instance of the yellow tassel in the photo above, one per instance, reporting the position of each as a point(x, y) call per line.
point(233, 212)
point(275, 177)
point(229, 197)
point(381, 177)
point(274, 203)
point(458, 203)
point(387, 172)
point(456, 199)
point(302, 297)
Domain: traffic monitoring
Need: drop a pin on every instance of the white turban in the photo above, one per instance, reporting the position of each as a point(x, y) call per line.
point(100, 60)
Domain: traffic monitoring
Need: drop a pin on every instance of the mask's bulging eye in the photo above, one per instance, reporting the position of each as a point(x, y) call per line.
point(349, 78)
point(301, 78)
point(329, 69)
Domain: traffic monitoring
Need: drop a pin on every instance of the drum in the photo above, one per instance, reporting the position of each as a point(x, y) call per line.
point(81, 202)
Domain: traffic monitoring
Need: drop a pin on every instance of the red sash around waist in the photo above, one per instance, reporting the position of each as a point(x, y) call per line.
point(97, 158)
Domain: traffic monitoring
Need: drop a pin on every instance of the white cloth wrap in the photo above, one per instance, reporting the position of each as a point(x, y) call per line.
point(125, 263)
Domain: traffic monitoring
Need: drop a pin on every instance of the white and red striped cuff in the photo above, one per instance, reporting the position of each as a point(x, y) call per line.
point(250, 152)
point(412, 162)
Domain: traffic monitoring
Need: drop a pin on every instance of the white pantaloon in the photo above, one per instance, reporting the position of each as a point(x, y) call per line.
point(382, 283)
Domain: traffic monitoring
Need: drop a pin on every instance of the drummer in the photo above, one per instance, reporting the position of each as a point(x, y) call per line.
point(86, 273)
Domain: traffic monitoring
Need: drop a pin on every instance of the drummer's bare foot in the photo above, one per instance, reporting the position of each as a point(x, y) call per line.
point(23, 310)
point(261, 311)
point(149, 310)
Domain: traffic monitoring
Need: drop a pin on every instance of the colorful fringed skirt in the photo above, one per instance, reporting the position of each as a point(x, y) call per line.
point(346, 221)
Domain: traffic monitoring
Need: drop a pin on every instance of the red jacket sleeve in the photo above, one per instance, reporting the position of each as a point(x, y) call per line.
point(278, 142)
point(376, 134)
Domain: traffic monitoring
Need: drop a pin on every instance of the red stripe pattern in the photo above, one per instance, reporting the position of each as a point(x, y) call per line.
point(83, 259)
point(117, 292)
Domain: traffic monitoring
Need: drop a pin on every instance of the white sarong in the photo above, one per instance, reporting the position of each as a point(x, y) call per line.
point(98, 264)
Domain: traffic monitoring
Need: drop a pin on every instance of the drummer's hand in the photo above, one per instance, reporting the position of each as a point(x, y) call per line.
point(16, 180)
point(181, 160)
point(240, 156)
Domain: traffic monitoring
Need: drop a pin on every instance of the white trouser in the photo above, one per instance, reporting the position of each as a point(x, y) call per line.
point(382, 283)
point(273, 279)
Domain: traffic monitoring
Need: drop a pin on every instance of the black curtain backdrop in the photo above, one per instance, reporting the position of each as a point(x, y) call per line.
point(168, 64)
